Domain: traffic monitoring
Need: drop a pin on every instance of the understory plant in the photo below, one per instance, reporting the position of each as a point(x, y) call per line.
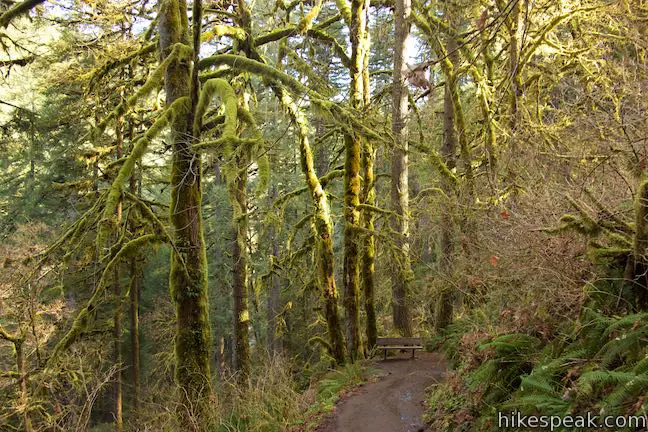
point(595, 362)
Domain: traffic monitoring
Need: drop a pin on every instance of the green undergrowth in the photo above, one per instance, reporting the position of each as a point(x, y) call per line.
point(596, 363)
point(276, 403)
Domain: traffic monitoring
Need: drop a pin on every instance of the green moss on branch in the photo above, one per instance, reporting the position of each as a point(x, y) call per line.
point(177, 108)
point(81, 321)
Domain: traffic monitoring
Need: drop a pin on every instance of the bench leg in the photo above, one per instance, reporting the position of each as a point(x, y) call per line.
point(413, 351)
point(385, 352)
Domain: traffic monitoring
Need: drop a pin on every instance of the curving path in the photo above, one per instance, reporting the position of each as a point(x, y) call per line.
point(392, 404)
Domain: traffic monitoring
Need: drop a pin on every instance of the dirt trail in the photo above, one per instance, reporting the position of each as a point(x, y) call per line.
point(392, 404)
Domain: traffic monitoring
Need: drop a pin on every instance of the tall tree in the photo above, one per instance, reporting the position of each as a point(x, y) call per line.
point(241, 312)
point(274, 340)
point(117, 314)
point(323, 228)
point(401, 271)
point(188, 277)
point(449, 155)
point(352, 182)
point(368, 258)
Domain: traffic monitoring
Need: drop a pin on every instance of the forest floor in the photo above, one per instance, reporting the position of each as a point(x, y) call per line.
point(394, 403)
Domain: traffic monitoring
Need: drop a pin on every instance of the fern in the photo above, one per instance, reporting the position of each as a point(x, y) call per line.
point(484, 374)
point(629, 320)
point(511, 344)
point(542, 403)
point(623, 347)
point(593, 379)
point(641, 367)
point(538, 383)
point(624, 392)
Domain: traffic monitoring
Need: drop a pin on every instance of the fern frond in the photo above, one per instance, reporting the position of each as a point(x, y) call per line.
point(589, 380)
point(627, 321)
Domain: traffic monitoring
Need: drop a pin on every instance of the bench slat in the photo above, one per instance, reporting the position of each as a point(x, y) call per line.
point(394, 347)
point(398, 341)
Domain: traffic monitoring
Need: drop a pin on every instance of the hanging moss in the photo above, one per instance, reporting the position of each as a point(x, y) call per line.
point(178, 52)
point(215, 119)
point(81, 321)
point(76, 227)
point(226, 93)
point(337, 48)
point(323, 227)
point(345, 10)
point(315, 33)
point(178, 107)
point(219, 30)
point(587, 222)
point(226, 144)
point(427, 192)
point(616, 222)
point(99, 73)
point(263, 166)
point(17, 9)
point(152, 217)
point(346, 118)
point(442, 168)
point(306, 22)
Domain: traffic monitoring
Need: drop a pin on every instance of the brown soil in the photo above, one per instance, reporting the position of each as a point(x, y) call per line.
point(392, 404)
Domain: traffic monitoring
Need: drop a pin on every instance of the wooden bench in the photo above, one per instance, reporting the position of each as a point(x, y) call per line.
point(403, 343)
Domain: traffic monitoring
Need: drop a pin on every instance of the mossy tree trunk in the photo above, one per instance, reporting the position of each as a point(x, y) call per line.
point(368, 258)
point(444, 307)
point(401, 270)
point(369, 249)
point(323, 227)
point(117, 313)
point(241, 313)
point(515, 29)
point(515, 91)
point(23, 383)
point(188, 275)
point(18, 342)
point(133, 297)
point(352, 184)
point(134, 293)
point(487, 106)
point(274, 341)
point(321, 218)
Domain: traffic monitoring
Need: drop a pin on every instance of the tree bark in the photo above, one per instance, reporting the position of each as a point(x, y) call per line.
point(240, 269)
point(117, 315)
point(515, 92)
point(368, 258)
point(188, 275)
point(22, 383)
point(369, 250)
point(274, 343)
point(134, 291)
point(134, 294)
point(323, 227)
point(352, 185)
point(401, 271)
point(448, 153)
